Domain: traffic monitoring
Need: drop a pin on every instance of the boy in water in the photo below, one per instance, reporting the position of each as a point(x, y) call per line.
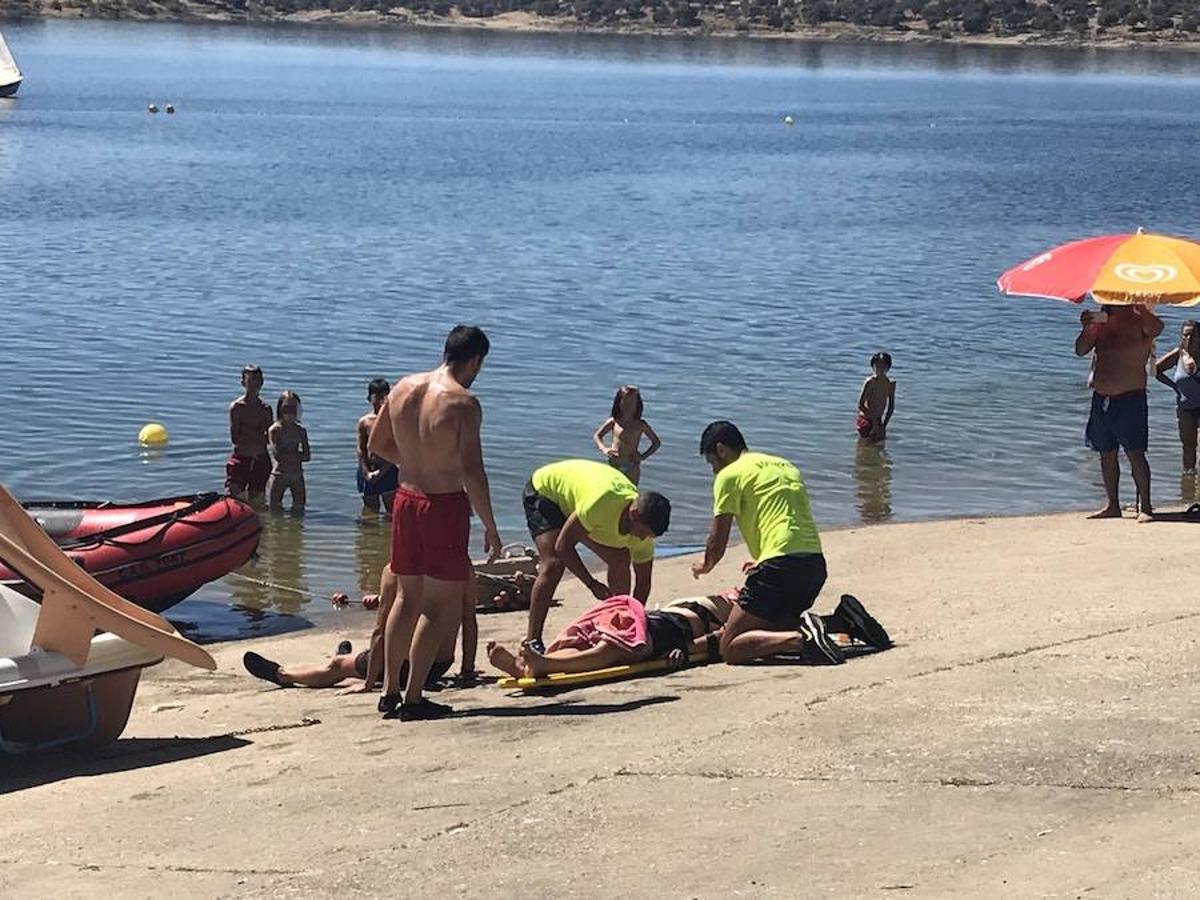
point(249, 466)
point(376, 477)
point(877, 400)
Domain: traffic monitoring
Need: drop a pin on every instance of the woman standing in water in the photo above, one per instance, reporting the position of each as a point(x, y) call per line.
point(1178, 371)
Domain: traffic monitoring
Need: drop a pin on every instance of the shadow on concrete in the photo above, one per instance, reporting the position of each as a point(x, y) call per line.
point(18, 773)
point(795, 659)
point(1191, 514)
point(568, 708)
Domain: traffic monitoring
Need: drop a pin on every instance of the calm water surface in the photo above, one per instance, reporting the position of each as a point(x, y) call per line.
point(327, 203)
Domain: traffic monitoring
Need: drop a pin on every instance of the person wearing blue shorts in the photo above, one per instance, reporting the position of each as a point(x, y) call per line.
point(1121, 341)
point(376, 478)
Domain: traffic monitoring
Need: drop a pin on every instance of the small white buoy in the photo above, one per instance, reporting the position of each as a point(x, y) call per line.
point(170, 109)
point(788, 120)
point(152, 109)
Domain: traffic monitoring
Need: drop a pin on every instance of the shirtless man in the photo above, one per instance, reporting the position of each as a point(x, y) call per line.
point(429, 428)
point(582, 501)
point(376, 477)
point(249, 467)
point(1121, 339)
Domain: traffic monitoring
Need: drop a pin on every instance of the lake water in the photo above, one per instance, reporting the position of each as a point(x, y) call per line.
point(327, 203)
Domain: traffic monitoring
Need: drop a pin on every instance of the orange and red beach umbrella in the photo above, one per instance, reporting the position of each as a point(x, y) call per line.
point(1122, 269)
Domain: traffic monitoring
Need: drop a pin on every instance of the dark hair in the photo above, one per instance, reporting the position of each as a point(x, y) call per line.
point(378, 386)
point(287, 398)
point(1187, 323)
point(721, 432)
point(622, 393)
point(251, 369)
point(881, 357)
point(655, 512)
point(465, 343)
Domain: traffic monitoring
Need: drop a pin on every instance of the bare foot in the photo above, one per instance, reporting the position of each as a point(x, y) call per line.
point(534, 663)
point(1145, 517)
point(1109, 512)
point(503, 660)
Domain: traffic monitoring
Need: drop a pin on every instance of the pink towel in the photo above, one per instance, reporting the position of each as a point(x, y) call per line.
point(620, 621)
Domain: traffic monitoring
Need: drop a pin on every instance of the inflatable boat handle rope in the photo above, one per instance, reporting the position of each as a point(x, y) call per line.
point(165, 520)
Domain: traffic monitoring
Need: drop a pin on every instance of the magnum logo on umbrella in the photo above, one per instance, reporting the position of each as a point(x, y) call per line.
point(1122, 269)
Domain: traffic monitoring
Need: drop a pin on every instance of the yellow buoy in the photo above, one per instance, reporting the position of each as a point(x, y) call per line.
point(153, 435)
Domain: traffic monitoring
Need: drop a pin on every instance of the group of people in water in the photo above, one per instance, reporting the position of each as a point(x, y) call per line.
point(271, 447)
point(427, 427)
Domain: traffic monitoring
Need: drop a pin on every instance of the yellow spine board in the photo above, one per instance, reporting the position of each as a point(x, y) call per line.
point(597, 676)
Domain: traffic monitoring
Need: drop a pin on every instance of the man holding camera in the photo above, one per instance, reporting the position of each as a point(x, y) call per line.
point(1121, 341)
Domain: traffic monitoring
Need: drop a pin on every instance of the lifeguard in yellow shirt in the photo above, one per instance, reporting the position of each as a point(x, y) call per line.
point(766, 496)
point(583, 501)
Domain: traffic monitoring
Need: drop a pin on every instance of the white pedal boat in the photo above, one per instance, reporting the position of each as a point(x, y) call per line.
point(70, 666)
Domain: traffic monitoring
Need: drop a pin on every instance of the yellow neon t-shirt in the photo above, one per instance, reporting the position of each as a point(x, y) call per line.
point(767, 497)
point(598, 494)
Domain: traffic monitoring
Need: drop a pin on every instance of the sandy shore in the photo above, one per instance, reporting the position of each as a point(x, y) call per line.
point(1033, 733)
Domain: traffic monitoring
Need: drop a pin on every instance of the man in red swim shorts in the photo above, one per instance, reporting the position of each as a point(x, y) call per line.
point(249, 467)
point(429, 428)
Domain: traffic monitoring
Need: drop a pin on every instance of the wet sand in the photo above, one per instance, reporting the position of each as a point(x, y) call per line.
point(1032, 733)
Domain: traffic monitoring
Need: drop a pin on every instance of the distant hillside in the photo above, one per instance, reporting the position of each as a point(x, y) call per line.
point(1017, 21)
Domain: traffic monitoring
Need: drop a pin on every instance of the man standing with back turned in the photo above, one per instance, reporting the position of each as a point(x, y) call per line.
point(429, 427)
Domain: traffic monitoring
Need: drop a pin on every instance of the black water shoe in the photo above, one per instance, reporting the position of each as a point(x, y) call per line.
point(862, 625)
point(389, 705)
point(261, 667)
point(424, 709)
point(818, 645)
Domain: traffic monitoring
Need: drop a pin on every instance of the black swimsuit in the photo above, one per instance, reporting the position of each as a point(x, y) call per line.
point(711, 622)
point(668, 631)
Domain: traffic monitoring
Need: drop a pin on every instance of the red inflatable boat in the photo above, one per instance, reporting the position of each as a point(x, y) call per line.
point(154, 553)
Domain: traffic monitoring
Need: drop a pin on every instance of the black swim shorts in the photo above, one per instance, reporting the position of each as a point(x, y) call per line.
point(360, 663)
point(541, 513)
point(781, 588)
point(668, 631)
point(1121, 421)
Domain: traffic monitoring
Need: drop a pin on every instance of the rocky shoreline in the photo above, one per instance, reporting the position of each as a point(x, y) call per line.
point(250, 12)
